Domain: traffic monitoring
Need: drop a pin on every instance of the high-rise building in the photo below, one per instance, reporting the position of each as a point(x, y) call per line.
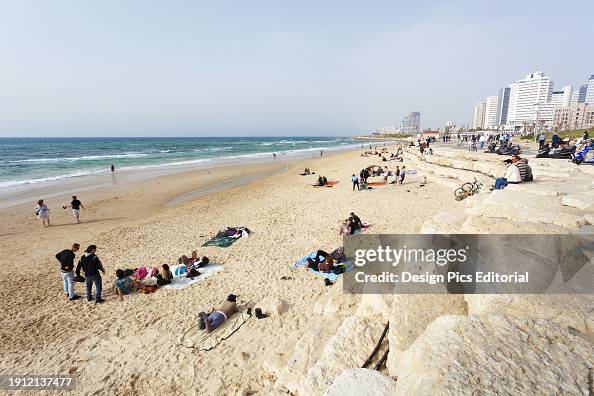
point(526, 100)
point(479, 115)
point(562, 98)
point(503, 106)
point(579, 95)
point(411, 123)
point(590, 90)
point(491, 112)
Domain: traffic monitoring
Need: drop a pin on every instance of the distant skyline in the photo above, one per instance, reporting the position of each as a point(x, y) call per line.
point(270, 68)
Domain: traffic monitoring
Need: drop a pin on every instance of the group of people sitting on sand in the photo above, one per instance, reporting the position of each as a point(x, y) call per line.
point(322, 181)
point(326, 262)
point(351, 225)
point(517, 171)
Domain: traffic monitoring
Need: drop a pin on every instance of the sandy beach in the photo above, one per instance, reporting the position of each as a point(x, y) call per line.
point(131, 347)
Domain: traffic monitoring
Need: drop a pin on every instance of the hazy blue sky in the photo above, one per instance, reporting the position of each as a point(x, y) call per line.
point(82, 68)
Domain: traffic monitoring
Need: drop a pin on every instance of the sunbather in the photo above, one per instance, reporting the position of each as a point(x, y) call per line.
point(216, 318)
point(195, 265)
point(322, 262)
point(164, 276)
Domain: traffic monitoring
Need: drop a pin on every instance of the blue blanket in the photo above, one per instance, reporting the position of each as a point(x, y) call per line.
point(348, 266)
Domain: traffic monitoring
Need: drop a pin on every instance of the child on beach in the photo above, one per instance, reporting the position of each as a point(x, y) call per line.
point(216, 318)
point(42, 212)
point(123, 284)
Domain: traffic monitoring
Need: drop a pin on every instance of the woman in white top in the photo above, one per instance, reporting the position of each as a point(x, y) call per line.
point(42, 212)
point(512, 176)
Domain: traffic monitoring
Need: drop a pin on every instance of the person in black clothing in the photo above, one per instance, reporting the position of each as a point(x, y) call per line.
point(66, 259)
point(355, 223)
point(322, 262)
point(91, 265)
point(75, 205)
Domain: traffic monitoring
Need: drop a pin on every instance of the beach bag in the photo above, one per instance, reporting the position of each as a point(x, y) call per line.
point(178, 270)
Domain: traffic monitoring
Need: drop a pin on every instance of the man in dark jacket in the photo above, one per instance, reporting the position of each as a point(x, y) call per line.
point(66, 259)
point(91, 265)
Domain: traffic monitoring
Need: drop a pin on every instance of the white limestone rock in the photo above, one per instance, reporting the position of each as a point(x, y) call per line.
point(410, 316)
point(349, 347)
point(496, 354)
point(524, 207)
point(583, 200)
point(361, 382)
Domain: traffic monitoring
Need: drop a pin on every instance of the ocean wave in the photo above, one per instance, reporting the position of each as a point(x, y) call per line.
point(213, 149)
point(74, 159)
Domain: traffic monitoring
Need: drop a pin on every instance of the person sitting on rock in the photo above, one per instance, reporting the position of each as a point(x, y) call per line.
point(512, 176)
point(215, 318)
point(525, 169)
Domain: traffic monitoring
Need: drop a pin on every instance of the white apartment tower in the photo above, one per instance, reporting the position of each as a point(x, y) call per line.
point(528, 98)
point(590, 90)
point(491, 112)
point(479, 115)
point(411, 123)
point(562, 98)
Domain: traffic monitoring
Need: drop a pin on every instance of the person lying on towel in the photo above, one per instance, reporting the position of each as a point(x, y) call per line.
point(322, 262)
point(216, 318)
point(195, 265)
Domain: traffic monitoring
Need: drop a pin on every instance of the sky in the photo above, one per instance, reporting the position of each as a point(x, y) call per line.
point(273, 68)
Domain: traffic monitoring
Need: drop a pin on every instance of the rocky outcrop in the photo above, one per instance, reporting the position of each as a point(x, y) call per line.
point(584, 200)
point(350, 347)
point(521, 207)
point(361, 382)
point(496, 354)
point(576, 311)
point(409, 317)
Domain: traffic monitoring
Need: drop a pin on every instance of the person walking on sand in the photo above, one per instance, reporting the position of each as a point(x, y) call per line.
point(66, 259)
point(112, 168)
point(355, 180)
point(42, 212)
point(91, 265)
point(75, 204)
point(402, 174)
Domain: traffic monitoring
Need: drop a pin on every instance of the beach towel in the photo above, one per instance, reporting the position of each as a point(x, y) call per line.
point(376, 183)
point(330, 183)
point(364, 227)
point(203, 341)
point(182, 282)
point(224, 239)
point(347, 265)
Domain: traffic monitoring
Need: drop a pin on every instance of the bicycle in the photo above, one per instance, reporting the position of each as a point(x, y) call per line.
point(468, 189)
